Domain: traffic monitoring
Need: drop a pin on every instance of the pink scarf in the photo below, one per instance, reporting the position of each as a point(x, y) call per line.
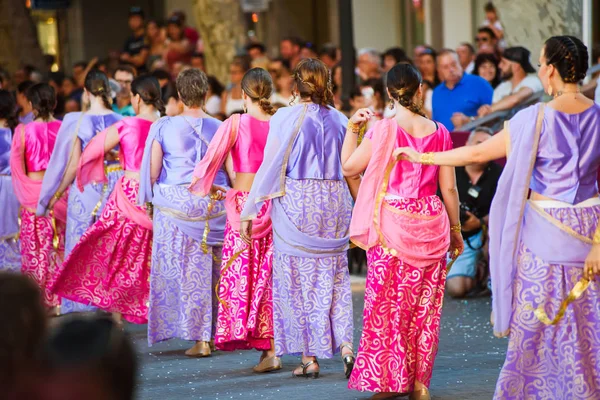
point(91, 170)
point(416, 240)
point(28, 190)
point(220, 145)
point(260, 226)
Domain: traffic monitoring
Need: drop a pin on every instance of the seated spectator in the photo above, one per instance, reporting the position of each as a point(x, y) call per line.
point(289, 49)
point(393, 56)
point(373, 93)
point(427, 66)
point(24, 110)
point(190, 33)
point(274, 67)
point(156, 40)
point(124, 75)
point(4, 79)
point(466, 56)
point(459, 92)
point(197, 61)
point(88, 358)
point(122, 104)
point(23, 331)
point(256, 50)
point(336, 86)
point(368, 64)
point(213, 96)
point(179, 48)
point(519, 81)
point(487, 67)
point(476, 187)
point(329, 55)
point(135, 49)
point(487, 42)
point(231, 99)
point(492, 21)
point(308, 51)
point(55, 80)
point(283, 83)
point(357, 100)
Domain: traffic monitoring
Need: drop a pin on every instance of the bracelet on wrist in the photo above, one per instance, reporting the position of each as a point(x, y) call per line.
point(456, 228)
point(596, 239)
point(426, 158)
point(58, 195)
point(354, 127)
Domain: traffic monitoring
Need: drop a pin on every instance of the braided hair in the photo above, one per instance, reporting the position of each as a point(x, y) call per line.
point(403, 82)
point(96, 83)
point(147, 87)
point(258, 85)
point(313, 80)
point(569, 56)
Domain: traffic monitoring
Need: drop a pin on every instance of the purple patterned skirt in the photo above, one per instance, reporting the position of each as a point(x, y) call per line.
point(183, 303)
point(561, 361)
point(312, 299)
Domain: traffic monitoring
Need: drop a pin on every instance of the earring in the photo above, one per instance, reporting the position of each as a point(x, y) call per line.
point(244, 108)
point(550, 90)
point(391, 105)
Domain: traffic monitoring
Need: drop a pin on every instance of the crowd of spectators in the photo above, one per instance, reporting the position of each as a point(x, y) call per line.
point(460, 85)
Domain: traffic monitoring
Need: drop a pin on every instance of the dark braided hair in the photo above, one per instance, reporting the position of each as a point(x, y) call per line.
point(403, 82)
point(96, 83)
point(569, 56)
point(313, 80)
point(149, 90)
point(7, 109)
point(258, 85)
point(43, 100)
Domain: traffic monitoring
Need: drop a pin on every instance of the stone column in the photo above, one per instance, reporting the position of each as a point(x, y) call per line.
point(221, 26)
point(18, 37)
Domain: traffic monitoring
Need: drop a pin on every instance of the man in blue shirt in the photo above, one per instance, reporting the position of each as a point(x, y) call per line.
point(459, 92)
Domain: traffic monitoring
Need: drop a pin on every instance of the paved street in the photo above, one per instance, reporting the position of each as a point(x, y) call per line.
point(467, 365)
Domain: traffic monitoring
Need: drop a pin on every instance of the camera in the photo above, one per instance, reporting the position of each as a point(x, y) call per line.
point(464, 208)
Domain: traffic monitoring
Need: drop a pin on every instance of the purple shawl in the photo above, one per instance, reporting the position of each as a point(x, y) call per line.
point(184, 209)
point(508, 207)
point(269, 182)
point(74, 125)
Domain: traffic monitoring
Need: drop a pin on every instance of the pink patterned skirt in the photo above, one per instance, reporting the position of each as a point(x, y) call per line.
point(402, 312)
point(110, 266)
point(39, 259)
point(245, 318)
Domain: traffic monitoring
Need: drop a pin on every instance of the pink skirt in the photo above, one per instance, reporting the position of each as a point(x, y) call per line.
point(110, 266)
point(39, 259)
point(403, 305)
point(245, 317)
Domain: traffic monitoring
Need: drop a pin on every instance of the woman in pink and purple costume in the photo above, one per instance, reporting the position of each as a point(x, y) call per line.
point(544, 234)
point(407, 231)
point(42, 237)
point(188, 229)
point(310, 213)
point(10, 252)
point(75, 133)
point(109, 266)
point(245, 317)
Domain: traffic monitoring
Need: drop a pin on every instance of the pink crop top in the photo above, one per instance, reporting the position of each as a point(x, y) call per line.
point(248, 151)
point(39, 143)
point(133, 132)
point(416, 180)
